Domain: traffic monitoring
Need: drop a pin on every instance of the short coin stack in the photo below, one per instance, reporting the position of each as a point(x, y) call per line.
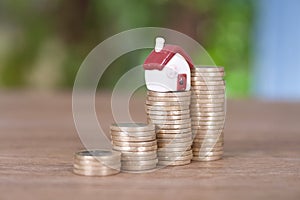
point(169, 111)
point(207, 112)
point(137, 142)
point(97, 162)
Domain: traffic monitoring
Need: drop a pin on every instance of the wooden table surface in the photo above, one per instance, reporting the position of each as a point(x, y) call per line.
point(38, 139)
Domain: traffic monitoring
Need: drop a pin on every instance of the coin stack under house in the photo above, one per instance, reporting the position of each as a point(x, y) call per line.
point(170, 113)
point(97, 162)
point(207, 112)
point(137, 143)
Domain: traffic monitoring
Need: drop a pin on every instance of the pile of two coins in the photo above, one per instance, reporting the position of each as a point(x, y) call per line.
point(170, 113)
point(137, 143)
point(207, 112)
point(97, 162)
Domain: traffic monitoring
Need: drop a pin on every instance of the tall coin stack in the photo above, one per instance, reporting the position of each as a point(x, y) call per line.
point(97, 163)
point(170, 112)
point(137, 143)
point(207, 112)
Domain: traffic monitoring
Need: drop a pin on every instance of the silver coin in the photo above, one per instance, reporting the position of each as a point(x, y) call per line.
point(208, 114)
point(217, 118)
point(208, 83)
point(173, 163)
point(203, 101)
point(180, 140)
point(175, 131)
point(172, 117)
point(139, 154)
point(207, 74)
point(97, 154)
point(169, 113)
point(197, 146)
point(207, 78)
point(208, 96)
point(173, 149)
point(167, 99)
point(206, 154)
point(208, 69)
point(134, 149)
point(137, 168)
point(168, 94)
point(129, 127)
point(174, 153)
point(212, 158)
point(203, 110)
point(208, 87)
point(207, 132)
point(133, 139)
point(175, 145)
point(173, 126)
point(199, 136)
point(135, 144)
point(207, 105)
point(106, 172)
point(138, 158)
point(207, 92)
point(208, 140)
point(204, 127)
point(169, 103)
point(208, 149)
point(208, 123)
point(139, 162)
point(173, 158)
point(167, 122)
point(132, 134)
point(150, 108)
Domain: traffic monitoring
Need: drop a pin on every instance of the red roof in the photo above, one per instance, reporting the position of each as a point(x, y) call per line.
point(157, 60)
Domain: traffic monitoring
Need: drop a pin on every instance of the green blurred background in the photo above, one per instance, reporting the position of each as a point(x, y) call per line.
point(43, 42)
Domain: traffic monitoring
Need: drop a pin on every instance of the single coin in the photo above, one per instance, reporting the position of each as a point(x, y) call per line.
point(177, 137)
point(173, 149)
point(167, 99)
point(208, 123)
point(168, 113)
point(208, 149)
point(197, 146)
point(167, 122)
point(150, 108)
point(209, 92)
point(208, 87)
point(129, 127)
point(203, 110)
point(168, 94)
point(93, 167)
point(176, 162)
point(165, 103)
point(138, 167)
point(208, 140)
point(208, 114)
point(173, 126)
point(212, 158)
point(106, 172)
point(175, 140)
point(174, 131)
point(133, 139)
point(173, 158)
point(135, 144)
point(204, 101)
point(207, 105)
point(139, 163)
point(176, 145)
point(97, 163)
point(204, 127)
point(208, 96)
point(174, 153)
point(203, 136)
point(207, 69)
point(205, 74)
point(207, 78)
point(97, 154)
point(163, 117)
point(203, 83)
point(133, 134)
point(207, 154)
point(134, 149)
point(205, 119)
point(139, 154)
point(138, 158)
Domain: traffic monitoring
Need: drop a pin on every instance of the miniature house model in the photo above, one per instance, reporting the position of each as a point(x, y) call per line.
point(167, 68)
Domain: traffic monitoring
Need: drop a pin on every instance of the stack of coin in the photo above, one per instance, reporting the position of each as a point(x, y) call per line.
point(137, 142)
point(207, 112)
point(97, 162)
point(170, 113)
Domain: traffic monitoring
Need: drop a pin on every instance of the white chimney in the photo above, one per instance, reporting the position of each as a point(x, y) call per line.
point(159, 44)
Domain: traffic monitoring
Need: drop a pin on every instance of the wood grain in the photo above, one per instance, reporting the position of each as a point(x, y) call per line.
point(38, 139)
